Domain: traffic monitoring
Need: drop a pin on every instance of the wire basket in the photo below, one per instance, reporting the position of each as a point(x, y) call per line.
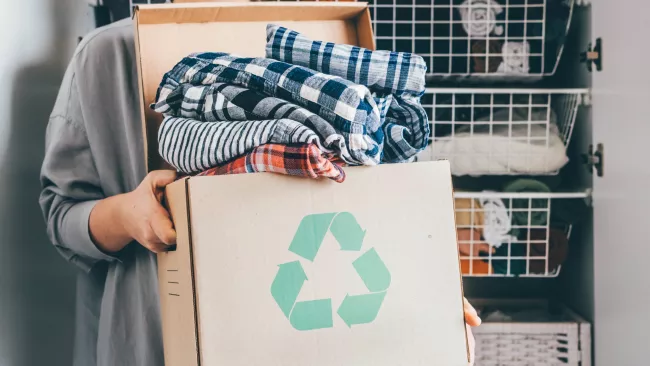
point(529, 334)
point(501, 131)
point(504, 40)
point(503, 234)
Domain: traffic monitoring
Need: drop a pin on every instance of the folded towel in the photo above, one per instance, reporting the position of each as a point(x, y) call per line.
point(398, 75)
point(349, 107)
point(304, 160)
point(191, 146)
point(529, 149)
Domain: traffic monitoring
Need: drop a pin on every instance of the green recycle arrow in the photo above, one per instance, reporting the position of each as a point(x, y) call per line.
point(317, 314)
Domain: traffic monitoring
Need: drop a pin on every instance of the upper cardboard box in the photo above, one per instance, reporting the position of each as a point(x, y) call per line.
point(168, 32)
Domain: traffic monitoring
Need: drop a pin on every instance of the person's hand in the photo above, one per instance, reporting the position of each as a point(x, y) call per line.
point(143, 216)
point(472, 320)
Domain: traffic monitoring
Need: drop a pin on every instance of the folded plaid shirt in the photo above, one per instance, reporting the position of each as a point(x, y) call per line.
point(384, 72)
point(349, 107)
point(228, 102)
point(399, 74)
point(304, 160)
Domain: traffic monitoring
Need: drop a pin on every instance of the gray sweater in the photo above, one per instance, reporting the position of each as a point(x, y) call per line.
point(94, 150)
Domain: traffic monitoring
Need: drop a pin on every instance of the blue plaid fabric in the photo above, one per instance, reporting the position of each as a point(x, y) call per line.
point(228, 102)
point(384, 72)
point(349, 107)
point(401, 75)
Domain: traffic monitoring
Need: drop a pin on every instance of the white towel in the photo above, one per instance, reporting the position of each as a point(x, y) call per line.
point(480, 17)
point(497, 222)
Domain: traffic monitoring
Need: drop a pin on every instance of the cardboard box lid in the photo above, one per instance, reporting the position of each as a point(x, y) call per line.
point(166, 33)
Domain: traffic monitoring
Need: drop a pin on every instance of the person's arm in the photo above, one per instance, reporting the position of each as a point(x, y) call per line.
point(70, 190)
point(82, 223)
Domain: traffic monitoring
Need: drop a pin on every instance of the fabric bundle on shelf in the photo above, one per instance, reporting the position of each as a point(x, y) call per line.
point(308, 99)
point(503, 143)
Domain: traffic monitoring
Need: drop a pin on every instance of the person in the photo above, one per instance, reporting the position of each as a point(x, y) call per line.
point(103, 210)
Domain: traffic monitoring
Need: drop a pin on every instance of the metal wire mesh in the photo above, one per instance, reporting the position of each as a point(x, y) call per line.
point(484, 39)
point(501, 131)
point(511, 234)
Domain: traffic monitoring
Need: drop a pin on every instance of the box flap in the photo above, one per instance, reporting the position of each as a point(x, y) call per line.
point(166, 33)
point(254, 267)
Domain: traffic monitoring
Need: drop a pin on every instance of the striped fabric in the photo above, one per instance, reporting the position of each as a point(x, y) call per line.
point(228, 102)
point(349, 108)
point(402, 75)
point(304, 160)
point(192, 146)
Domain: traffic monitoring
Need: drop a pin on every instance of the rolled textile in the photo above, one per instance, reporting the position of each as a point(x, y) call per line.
point(384, 72)
point(515, 58)
point(497, 222)
point(192, 146)
point(479, 17)
point(349, 107)
point(398, 76)
point(538, 209)
point(304, 160)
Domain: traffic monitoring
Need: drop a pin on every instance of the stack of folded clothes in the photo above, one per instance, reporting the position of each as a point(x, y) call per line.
point(307, 109)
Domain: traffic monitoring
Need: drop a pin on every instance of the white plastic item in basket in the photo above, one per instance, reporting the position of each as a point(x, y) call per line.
point(543, 342)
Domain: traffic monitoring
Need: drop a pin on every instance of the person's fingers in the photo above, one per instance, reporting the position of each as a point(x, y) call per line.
point(157, 247)
point(472, 345)
point(471, 316)
point(162, 226)
point(161, 178)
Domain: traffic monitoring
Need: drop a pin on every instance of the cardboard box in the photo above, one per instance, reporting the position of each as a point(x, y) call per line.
point(275, 270)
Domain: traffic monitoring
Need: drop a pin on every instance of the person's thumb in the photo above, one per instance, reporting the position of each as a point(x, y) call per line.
point(161, 178)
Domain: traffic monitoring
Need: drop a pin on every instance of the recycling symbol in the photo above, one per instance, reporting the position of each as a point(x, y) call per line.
point(317, 314)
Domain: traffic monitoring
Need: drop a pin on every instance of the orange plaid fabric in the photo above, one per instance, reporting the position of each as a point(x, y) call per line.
point(304, 160)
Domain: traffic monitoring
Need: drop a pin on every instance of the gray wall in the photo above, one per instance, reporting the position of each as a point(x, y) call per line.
point(37, 38)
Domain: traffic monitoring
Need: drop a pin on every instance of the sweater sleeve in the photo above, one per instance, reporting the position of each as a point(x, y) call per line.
point(70, 182)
